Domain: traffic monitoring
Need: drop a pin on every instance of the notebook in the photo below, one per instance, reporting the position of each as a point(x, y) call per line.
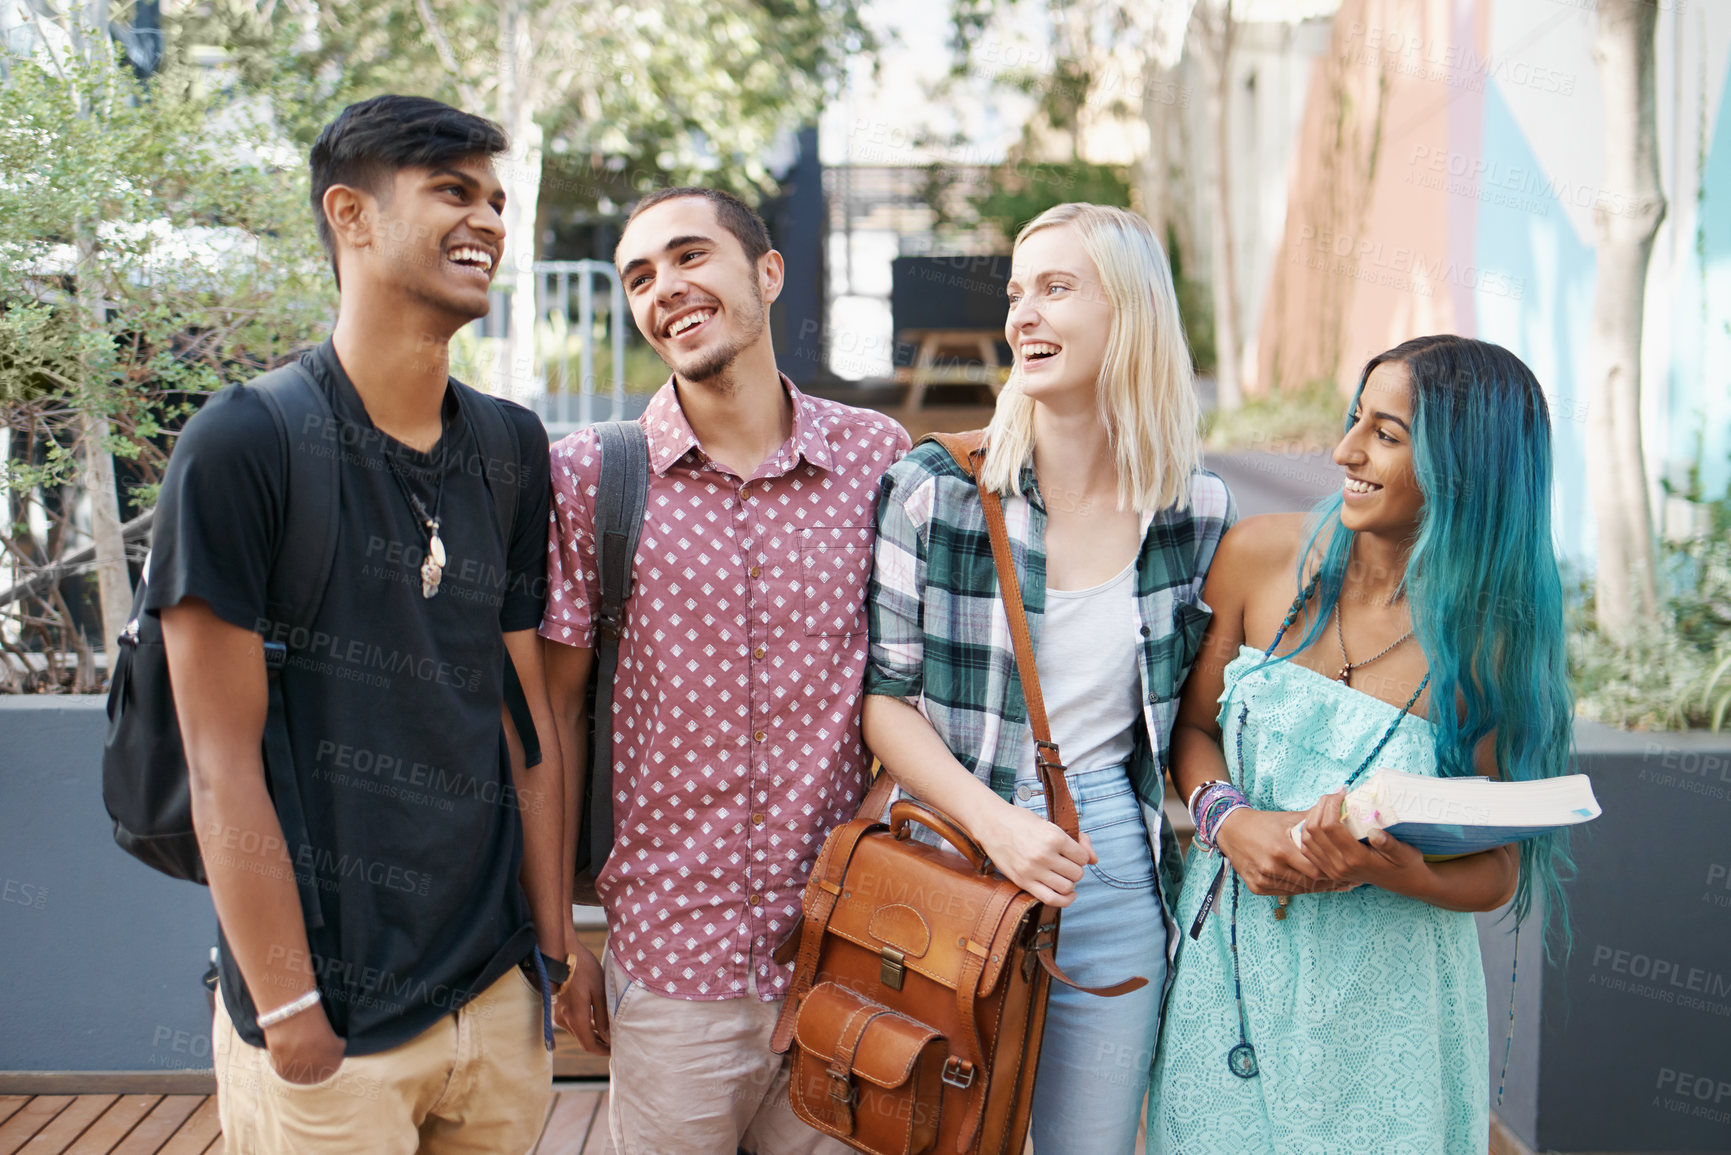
point(1447, 817)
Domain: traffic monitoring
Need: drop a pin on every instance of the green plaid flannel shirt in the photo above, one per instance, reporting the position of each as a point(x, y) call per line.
point(940, 636)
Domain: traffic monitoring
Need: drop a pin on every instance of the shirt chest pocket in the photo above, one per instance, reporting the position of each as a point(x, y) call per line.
point(1172, 655)
point(835, 563)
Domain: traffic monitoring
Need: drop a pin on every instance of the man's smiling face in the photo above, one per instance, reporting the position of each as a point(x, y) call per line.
point(696, 297)
point(437, 235)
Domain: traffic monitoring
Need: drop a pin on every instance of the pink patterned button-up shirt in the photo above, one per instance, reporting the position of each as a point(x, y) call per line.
point(736, 740)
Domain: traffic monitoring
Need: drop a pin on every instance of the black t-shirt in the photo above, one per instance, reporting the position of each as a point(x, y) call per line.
point(393, 708)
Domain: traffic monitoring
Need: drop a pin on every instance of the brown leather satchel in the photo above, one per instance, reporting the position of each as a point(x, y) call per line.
point(919, 997)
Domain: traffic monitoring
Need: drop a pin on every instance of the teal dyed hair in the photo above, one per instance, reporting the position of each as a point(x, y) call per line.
point(1482, 576)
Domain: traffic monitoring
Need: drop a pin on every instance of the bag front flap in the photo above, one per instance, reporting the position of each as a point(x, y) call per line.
point(926, 903)
point(888, 1046)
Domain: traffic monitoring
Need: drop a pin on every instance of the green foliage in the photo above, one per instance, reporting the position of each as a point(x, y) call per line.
point(153, 246)
point(1195, 307)
point(146, 251)
point(1676, 673)
point(1019, 191)
point(631, 96)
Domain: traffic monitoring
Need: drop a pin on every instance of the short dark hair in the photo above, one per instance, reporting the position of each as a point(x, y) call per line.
point(735, 216)
point(372, 140)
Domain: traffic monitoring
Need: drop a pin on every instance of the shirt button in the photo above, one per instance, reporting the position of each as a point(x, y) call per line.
point(753, 900)
point(1146, 631)
point(755, 571)
point(757, 820)
point(1024, 793)
point(759, 736)
point(759, 653)
point(744, 491)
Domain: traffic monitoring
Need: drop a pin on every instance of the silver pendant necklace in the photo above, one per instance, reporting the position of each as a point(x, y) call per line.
point(433, 564)
point(1347, 664)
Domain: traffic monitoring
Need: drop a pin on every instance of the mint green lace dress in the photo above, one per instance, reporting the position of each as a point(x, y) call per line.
point(1366, 1008)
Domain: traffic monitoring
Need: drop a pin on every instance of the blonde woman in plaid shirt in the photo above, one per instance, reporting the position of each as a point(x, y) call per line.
point(1113, 525)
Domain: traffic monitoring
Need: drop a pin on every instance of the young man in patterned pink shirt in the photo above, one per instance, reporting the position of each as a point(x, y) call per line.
point(736, 741)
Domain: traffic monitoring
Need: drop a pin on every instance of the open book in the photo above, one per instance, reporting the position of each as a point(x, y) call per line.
point(1446, 817)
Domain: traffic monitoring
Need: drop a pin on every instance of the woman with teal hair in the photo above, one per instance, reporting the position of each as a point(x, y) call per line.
point(1329, 995)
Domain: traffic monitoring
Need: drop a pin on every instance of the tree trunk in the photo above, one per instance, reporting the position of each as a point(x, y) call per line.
point(113, 583)
point(519, 101)
point(1218, 55)
point(1626, 579)
point(1154, 172)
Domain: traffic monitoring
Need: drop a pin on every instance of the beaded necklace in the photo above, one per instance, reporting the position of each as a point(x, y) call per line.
point(1241, 1058)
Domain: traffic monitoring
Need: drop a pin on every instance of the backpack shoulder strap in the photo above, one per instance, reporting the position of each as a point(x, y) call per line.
point(307, 550)
point(501, 456)
point(620, 499)
point(501, 467)
point(298, 578)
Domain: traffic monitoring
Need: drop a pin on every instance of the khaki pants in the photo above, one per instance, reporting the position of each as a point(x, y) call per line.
point(698, 1078)
point(479, 1080)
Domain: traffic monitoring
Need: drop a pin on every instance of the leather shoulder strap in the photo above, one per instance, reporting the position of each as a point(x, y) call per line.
point(968, 450)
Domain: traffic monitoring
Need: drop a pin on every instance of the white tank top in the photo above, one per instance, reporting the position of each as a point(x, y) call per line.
point(1087, 660)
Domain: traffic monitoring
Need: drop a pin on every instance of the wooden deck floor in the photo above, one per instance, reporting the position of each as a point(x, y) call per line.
point(187, 1125)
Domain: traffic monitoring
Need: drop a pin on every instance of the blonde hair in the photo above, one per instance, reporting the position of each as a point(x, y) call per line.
point(1147, 387)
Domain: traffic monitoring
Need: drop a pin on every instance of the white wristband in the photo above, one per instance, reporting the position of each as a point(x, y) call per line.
point(289, 1010)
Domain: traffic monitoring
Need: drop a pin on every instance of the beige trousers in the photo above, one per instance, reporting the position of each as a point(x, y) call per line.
point(479, 1080)
point(698, 1078)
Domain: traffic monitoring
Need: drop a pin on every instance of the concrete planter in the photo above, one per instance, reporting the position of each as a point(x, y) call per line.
point(1626, 1045)
point(100, 957)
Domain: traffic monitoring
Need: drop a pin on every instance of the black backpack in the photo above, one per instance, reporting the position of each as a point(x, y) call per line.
point(145, 783)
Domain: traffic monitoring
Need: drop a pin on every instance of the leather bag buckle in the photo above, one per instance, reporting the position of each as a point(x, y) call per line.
point(891, 968)
point(958, 1072)
point(841, 1087)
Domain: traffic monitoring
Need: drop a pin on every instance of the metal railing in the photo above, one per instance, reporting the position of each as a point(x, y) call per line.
point(553, 289)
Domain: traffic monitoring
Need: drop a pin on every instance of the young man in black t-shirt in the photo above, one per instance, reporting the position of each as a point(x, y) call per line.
point(396, 1015)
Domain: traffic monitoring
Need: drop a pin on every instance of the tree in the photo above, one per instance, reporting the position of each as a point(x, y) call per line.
point(1626, 217)
point(148, 253)
point(1157, 40)
point(710, 83)
point(1215, 27)
point(1121, 61)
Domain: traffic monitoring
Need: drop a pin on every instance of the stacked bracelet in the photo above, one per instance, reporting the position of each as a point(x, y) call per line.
point(1210, 805)
point(1190, 802)
point(289, 1010)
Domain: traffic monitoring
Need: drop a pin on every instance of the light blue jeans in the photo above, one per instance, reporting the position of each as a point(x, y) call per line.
point(1097, 1052)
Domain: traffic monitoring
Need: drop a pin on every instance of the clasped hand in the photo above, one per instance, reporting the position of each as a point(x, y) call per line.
point(1383, 860)
point(1308, 852)
point(1034, 854)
